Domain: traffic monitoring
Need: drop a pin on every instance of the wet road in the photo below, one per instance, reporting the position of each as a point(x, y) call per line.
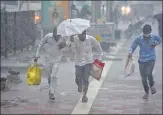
point(114, 94)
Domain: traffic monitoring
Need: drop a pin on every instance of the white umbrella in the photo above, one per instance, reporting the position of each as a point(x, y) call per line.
point(72, 26)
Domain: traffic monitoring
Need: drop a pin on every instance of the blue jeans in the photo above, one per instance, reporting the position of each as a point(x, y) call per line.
point(146, 69)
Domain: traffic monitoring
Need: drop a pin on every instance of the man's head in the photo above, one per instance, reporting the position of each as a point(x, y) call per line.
point(82, 36)
point(147, 30)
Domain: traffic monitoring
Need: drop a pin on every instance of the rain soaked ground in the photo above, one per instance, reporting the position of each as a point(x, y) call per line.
point(115, 94)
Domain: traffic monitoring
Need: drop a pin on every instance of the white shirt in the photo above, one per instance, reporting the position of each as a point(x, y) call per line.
point(52, 53)
point(83, 50)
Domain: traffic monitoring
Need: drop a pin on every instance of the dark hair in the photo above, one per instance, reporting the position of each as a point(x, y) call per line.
point(84, 32)
point(54, 32)
point(55, 36)
point(147, 29)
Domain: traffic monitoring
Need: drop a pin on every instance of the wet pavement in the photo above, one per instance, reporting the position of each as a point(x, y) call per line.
point(121, 95)
point(66, 91)
point(116, 95)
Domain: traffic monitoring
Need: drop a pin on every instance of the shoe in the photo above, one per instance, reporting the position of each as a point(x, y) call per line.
point(84, 99)
point(80, 88)
point(146, 96)
point(153, 90)
point(51, 95)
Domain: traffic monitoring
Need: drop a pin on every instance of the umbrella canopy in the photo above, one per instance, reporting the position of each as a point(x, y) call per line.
point(72, 26)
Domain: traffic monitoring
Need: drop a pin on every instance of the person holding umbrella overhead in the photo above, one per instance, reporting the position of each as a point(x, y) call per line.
point(147, 43)
point(75, 31)
point(84, 59)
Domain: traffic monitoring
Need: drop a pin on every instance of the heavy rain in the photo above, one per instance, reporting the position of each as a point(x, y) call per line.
point(81, 57)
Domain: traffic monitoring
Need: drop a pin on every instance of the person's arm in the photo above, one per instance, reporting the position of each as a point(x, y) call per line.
point(97, 46)
point(157, 40)
point(71, 40)
point(42, 43)
point(133, 47)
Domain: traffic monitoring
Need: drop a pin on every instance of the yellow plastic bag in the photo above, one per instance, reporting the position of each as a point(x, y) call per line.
point(33, 75)
point(98, 37)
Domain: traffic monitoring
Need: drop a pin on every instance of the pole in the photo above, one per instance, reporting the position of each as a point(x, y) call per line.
point(70, 3)
point(5, 32)
point(44, 11)
point(110, 11)
point(98, 9)
point(18, 5)
point(14, 34)
point(107, 10)
point(93, 12)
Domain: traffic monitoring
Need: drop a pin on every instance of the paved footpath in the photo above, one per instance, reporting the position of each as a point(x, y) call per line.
point(124, 96)
point(112, 94)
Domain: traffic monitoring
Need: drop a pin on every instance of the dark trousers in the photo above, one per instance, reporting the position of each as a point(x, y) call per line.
point(82, 74)
point(146, 69)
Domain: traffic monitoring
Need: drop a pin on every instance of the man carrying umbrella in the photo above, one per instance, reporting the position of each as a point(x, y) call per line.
point(84, 59)
point(75, 30)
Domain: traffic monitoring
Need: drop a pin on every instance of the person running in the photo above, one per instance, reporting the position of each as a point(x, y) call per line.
point(54, 45)
point(84, 59)
point(147, 43)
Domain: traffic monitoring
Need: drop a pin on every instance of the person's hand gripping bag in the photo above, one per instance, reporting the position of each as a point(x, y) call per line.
point(33, 75)
point(97, 69)
point(130, 67)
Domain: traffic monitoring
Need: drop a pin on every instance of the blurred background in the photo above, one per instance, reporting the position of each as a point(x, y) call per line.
point(111, 17)
point(115, 24)
point(96, 11)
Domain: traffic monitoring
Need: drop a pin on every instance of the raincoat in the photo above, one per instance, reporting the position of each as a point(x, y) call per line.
point(52, 56)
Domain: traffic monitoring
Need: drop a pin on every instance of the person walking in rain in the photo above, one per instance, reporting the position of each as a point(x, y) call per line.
point(147, 43)
point(54, 44)
point(84, 59)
